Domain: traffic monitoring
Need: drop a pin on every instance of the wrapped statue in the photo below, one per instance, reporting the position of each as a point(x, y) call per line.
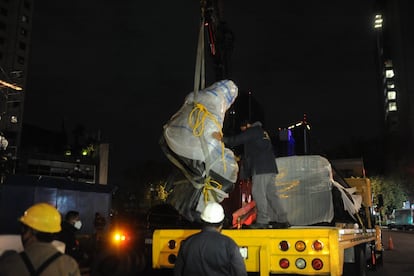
point(209, 168)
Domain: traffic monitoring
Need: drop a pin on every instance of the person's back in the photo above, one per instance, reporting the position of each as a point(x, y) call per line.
point(259, 150)
point(40, 257)
point(38, 253)
point(209, 253)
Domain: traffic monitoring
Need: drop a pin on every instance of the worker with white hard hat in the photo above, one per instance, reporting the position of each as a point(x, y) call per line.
point(209, 252)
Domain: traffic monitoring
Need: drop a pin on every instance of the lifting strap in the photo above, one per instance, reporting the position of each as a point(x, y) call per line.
point(197, 122)
point(199, 75)
point(42, 267)
point(199, 80)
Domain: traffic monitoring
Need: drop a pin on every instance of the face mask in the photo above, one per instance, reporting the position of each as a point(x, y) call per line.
point(78, 224)
point(25, 236)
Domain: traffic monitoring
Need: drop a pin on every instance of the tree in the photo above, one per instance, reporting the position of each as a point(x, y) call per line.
point(134, 192)
point(392, 190)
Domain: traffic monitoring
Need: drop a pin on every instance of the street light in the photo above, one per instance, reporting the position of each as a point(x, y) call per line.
point(9, 85)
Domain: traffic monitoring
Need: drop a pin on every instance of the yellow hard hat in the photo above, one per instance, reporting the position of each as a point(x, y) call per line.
point(42, 217)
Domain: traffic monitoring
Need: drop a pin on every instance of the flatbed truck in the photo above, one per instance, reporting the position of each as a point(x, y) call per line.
point(297, 250)
point(322, 249)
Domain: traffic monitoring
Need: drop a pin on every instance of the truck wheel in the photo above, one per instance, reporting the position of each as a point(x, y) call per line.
point(361, 261)
point(359, 268)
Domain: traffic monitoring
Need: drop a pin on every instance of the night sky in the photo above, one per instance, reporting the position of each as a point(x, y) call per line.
point(124, 67)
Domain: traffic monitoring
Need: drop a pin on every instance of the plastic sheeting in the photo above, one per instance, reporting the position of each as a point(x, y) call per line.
point(352, 201)
point(188, 143)
point(180, 137)
point(304, 185)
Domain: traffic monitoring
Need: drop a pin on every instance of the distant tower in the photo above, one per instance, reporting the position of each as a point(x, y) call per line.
point(15, 32)
point(395, 49)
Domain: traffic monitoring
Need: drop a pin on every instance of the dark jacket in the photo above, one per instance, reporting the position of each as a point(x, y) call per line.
point(258, 157)
point(68, 236)
point(209, 253)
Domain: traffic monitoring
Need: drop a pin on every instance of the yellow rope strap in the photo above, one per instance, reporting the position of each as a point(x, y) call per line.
point(162, 193)
point(208, 186)
point(201, 113)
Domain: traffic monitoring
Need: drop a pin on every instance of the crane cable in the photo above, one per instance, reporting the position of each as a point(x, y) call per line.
point(197, 124)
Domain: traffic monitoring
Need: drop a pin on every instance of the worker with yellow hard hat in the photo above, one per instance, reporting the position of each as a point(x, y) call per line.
point(39, 223)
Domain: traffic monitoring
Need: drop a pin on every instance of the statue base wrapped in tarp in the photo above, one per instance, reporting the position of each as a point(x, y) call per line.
point(209, 169)
point(304, 185)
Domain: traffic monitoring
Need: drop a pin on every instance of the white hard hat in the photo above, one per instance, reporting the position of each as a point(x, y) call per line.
point(213, 213)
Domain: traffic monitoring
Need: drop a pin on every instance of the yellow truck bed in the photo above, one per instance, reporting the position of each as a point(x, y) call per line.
point(297, 250)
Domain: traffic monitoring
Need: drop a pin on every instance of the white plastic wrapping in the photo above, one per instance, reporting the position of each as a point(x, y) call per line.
point(351, 206)
point(180, 138)
point(304, 185)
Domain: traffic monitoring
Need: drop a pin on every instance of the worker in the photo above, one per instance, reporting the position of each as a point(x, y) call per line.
point(259, 163)
point(39, 224)
point(209, 252)
point(99, 223)
point(70, 226)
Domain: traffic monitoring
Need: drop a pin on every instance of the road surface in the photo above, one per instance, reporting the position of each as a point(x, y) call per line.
point(398, 259)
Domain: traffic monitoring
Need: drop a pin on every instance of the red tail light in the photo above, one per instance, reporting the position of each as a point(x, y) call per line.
point(284, 263)
point(284, 245)
point(317, 245)
point(317, 264)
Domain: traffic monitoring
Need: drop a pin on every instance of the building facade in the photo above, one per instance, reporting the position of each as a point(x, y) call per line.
point(395, 55)
point(15, 33)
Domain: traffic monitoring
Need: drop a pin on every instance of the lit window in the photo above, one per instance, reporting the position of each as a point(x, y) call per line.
point(391, 95)
point(390, 85)
point(378, 21)
point(392, 106)
point(389, 73)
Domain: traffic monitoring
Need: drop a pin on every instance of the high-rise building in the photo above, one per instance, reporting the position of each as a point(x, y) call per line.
point(15, 32)
point(395, 54)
